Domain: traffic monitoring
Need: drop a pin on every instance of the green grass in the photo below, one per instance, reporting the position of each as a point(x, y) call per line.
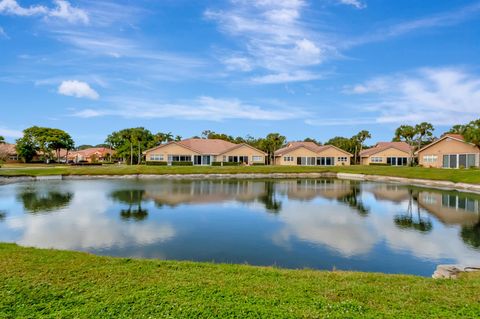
point(60, 284)
point(461, 175)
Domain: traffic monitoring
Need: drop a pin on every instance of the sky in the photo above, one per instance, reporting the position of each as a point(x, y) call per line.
point(303, 68)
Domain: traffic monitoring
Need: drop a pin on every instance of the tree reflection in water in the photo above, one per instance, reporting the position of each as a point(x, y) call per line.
point(353, 200)
point(409, 220)
point(39, 202)
point(133, 197)
point(269, 198)
point(3, 215)
point(471, 235)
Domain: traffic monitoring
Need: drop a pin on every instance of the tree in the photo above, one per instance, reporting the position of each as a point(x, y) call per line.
point(270, 144)
point(457, 129)
point(406, 133)
point(424, 134)
point(308, 139)
point(43, 141)
point(358, 141)
point(131, 142)
point(343, 143)
point(84, 147)
point(471, 133)
point(161, 138)
point(2, 140)
point(178, 138)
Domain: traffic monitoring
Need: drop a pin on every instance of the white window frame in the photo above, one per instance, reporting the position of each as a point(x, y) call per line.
point(256, 158)
point(376, 159)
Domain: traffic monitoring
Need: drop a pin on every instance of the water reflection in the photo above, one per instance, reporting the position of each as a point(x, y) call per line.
point(318, 223)
point(38, 201)
point(132, 198)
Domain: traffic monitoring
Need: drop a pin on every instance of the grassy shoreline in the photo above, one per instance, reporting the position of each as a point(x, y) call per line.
point(471, 176)
point(52, 283)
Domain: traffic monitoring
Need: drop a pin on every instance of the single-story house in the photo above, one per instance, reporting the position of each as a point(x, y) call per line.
point(387, 153)
point(311, 154)
point(449, 151)
point(205, 152)
point(91, 155)
point(9, 153)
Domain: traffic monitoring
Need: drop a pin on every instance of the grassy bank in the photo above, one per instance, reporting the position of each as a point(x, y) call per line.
point(461, 175)
point(60, 284)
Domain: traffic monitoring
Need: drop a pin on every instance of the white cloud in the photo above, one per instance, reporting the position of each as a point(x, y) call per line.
point(272, 35)
point(202, 108)
point(355, 3)
point(77, 89)
point(62, 10)
point(299, 76)
point(3, 34)
point(442, 96)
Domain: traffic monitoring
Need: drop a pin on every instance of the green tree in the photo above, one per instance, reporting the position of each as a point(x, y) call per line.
point(358, 142)
point(471, 133)
point(343, 143)
point(457, 129)
point(2, 140)
point(161, 138)
point(308, 139)
point(424, 134)
point(130, 143)
point(406, 133)
point(270, 144)
point(84, 147)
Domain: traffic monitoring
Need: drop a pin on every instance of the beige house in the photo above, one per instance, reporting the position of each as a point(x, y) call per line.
point(8, 153)
point(205, 152)
point(387, 153)
point(91, 155)
point(311, 154)
point(450, 151)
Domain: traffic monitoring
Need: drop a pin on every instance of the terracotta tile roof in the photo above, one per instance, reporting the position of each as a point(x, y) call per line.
point(101, 151)
point(207, 146)
point(308, 145)
point(8, 148)
point(457, 136)
point(381, 146)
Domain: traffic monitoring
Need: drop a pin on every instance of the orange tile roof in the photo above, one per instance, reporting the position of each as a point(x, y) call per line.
point(102, 151)
point(308, 145)
point(8, 148)
point(207, 146)
point(381, 146)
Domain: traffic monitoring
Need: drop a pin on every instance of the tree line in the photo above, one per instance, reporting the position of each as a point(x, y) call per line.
point(130, 143)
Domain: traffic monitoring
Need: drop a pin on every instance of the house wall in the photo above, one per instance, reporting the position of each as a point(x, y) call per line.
point(243, 151)
point(447, 146)
point(389, 152)
point(304, 152)
point(172, 149)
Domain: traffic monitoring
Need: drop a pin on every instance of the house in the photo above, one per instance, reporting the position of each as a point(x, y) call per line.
point(386, 153)
point(311, 154)
point(205, 152)
point(8, 152)
point(91, 155)
point(450, 151)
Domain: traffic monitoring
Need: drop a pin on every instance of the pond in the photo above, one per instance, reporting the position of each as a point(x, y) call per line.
point(295, 223)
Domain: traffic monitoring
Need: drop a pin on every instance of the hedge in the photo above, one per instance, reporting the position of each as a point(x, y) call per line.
point(379, 164)
point(182, 163)
point(156, 163)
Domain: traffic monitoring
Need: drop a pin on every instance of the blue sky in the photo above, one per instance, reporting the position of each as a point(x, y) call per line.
point(318, 68)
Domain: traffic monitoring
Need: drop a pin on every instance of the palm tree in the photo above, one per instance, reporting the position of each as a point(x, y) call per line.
point(406, 133)
point(359, 139)
point(423, 130)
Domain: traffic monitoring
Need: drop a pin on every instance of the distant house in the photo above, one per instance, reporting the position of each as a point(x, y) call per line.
point(387, 153)
point(205, 152)
point(450, 151)
point(9, 152)
point(311, 154)
point(91, 155)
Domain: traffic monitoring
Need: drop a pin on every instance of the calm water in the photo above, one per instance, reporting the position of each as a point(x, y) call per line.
point(314, 223)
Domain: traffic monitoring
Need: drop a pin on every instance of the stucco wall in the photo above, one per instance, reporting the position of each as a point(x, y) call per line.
point(446, 147)
point(243, 151)
point(389, 152)
point(171, 149)
point(304, 152)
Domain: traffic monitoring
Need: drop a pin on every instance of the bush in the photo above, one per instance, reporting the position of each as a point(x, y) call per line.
point(226, 164)
point(156, 163)
point(216, 163)
point(379, 164)
point(182, 163)
point(258, 164)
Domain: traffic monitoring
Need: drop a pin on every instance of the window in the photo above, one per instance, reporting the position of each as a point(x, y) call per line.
point(342, 159)
point(179, 158)
point(397, 161)
point(470, 160)
point(156, 157)
point(429, 158)
point(306, 161)
point(325, 161)
point(257, 158)
point(238, 159)
point(376, 160)
point(288, 158)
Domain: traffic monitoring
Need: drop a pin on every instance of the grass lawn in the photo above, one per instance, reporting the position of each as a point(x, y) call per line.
point(460, 175)
point(38, 283)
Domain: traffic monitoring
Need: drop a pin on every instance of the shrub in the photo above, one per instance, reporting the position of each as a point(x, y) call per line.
point(379, 164)
point(156, 163)
point(258, 164)
point(182, 163)
point(216, 163)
